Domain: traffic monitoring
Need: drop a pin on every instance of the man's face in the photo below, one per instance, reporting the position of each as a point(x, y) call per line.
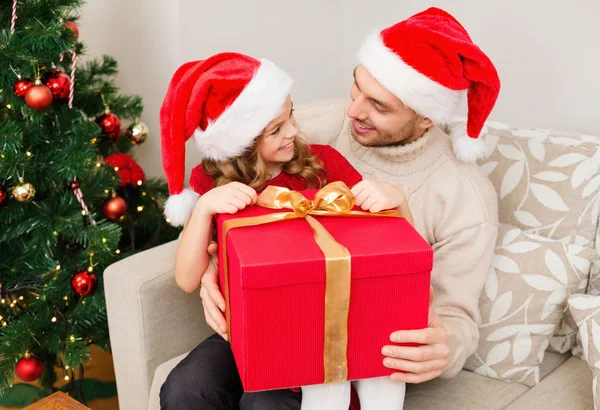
point(380, 119)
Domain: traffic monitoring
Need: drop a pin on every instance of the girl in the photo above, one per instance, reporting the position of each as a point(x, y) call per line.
point(240, 114)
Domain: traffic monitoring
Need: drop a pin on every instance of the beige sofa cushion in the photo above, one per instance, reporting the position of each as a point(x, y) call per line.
point(586, 312)
point(523, 302)
point(567, 388)
point(439, 394)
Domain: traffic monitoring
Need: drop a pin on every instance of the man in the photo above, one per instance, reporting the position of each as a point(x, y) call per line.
point(411, 80)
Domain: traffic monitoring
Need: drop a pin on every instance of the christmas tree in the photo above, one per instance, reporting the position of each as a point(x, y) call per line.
point(71, 200)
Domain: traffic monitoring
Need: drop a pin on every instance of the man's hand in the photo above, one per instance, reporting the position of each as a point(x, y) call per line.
point(212, 298)
point(421, 363)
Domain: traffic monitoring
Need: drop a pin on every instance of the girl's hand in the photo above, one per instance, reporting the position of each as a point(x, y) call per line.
point(226, 199)
point(375, 196)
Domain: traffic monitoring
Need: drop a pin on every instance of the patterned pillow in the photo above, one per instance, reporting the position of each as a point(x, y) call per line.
point(586, 312)
point(523, 302)
point(548, 184)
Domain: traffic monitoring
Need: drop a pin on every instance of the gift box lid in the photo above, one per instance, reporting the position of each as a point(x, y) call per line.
point(285, 253)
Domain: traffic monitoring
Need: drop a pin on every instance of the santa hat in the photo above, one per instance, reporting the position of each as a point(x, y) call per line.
point(429, 62)
point(224, 102)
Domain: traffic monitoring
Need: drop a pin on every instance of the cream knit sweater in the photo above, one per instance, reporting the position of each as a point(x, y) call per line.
point(454, 208)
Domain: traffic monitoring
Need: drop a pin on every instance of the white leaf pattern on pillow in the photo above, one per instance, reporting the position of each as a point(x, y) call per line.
point(556, 298)
point(542, 283)
point(591, 188)
point(501, 306)
point(596, 335)
point(584, 341)
point(548, 197)
point(522, 247)
point(595, 390)
point(491, 285)
point(583, 172)
point(505, 264)
point(551, 176)
point(581, 264)
point(537, 149)
point(584, 303)
point(498, 353)
point(521, 347)
point(512, 178)
point(567, 160)
point(489, 167)
point(542, 350)
point(556, 266)
point(508, 331)
point(527, 219)
point(510, 152)
point(510, 236)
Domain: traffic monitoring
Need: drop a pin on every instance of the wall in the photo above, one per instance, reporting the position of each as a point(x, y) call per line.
point(546, 52)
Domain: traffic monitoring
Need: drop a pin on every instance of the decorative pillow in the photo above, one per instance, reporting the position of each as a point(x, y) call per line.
point(586, 312)
point(523, 302)
point(548, 183)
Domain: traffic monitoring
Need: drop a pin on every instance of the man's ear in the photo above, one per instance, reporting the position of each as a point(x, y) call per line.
point(425, 123)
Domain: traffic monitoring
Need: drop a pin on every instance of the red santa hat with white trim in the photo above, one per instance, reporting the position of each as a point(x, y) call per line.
point(429, 62)
point(224, 103)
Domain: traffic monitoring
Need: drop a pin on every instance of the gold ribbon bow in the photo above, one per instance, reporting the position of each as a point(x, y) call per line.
point(335, 199)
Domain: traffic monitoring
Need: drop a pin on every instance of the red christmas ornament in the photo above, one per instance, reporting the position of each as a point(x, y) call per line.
point(29, 368)
point(59, 84)
point(110, 124)
point(83, 283)
point(38, 97)
point(22, 86)
point(73, 27)
point(128, 171)
point(114, 208)
point(3, 194)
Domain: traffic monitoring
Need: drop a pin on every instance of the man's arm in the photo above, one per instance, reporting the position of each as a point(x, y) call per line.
point(461, 264)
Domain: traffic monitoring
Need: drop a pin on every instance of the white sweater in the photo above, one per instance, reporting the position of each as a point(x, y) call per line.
point(454, 207)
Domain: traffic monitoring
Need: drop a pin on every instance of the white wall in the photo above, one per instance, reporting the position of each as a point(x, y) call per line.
point(546, 52)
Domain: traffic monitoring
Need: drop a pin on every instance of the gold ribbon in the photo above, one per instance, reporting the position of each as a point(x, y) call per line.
point(334, 199)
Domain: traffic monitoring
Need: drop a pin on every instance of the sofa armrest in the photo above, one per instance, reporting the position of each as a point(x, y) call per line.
point(150, 320)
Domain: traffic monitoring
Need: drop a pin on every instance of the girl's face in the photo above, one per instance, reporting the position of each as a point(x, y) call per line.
point(276, 144)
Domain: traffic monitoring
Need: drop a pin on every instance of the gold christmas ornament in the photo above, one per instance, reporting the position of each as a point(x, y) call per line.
point(137, 132)
point(24, 192)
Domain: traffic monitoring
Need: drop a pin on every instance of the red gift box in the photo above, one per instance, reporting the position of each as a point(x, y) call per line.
point(275, 291)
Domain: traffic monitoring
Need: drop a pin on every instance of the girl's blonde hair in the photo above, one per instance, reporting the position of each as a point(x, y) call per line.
point(251, 168)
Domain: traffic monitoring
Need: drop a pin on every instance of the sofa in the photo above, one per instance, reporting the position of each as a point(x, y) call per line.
point(547, 189)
